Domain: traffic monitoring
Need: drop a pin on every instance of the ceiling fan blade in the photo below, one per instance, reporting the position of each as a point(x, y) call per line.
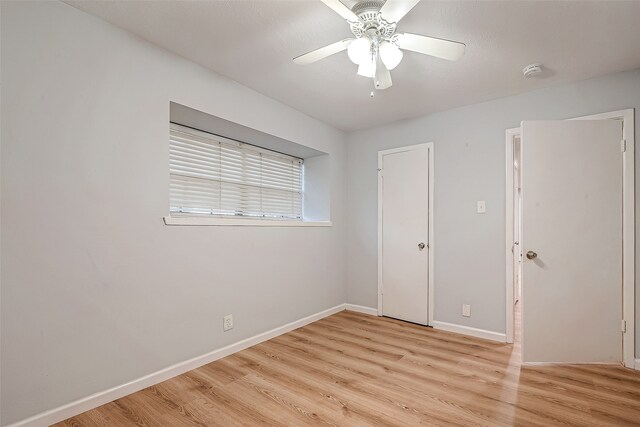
point(341, 10)
point(394, 10)
point(323, 52)
point(439, 48)
point(383, 76)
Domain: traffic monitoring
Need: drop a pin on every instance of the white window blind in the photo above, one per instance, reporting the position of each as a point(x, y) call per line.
point(211, 175)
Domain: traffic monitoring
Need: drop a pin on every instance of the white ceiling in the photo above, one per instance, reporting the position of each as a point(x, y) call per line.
point(253, 43)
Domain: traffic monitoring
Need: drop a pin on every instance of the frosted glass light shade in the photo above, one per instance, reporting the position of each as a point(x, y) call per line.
point(359, 50)
point(367, 68)
point(390, 55)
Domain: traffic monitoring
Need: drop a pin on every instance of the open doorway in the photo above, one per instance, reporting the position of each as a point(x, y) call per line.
point(514, 233)
point(517, 219)
point(540, 281)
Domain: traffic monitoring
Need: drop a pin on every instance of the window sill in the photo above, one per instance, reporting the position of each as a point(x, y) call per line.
point(168, 220)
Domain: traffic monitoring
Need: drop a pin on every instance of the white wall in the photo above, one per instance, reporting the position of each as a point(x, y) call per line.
point(96, 291)
point(317, 194)
point(469, 166)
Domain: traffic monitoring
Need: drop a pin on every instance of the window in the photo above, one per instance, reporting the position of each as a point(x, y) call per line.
point(211, 175)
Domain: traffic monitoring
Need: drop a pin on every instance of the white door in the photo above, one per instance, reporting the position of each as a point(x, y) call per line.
point(404, 233)
point(572, 241)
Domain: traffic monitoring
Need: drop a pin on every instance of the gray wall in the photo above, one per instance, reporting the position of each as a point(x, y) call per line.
point(469, 166)
point(96, 291)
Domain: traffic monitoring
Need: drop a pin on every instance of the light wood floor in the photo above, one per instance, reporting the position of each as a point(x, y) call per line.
point(355, 370)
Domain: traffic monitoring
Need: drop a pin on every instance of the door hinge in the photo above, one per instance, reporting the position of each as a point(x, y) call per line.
point(623, 145)
point(623, 326)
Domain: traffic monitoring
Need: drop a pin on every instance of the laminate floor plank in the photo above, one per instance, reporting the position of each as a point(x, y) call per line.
point(343, 389)
point(354, 380)
point(352, 369)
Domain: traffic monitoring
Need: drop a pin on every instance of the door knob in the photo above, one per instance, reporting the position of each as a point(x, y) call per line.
point(531, 255)
point(421, 246)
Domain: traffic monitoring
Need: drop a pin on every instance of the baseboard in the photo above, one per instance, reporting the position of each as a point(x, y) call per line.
point(466, 330)
point(570, 363)
point(637, 365)
point(87, 403)
point(361, 309)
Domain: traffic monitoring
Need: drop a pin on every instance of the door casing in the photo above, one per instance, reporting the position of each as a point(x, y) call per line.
point(431, 242)
point(628, 229)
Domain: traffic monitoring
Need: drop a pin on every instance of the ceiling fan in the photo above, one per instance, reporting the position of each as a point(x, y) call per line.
point(376, 48)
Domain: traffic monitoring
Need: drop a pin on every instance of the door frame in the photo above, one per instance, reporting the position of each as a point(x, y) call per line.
point(431, 241)
point(628, 229)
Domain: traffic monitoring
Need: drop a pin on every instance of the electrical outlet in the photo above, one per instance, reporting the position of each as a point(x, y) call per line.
point(481, 206)
point(227, 322)
point(466, 310)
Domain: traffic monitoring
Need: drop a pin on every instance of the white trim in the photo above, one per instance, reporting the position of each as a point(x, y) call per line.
point(431, 242)
point(628, 224)
point(467, 330)
point(572, 363)
point(217, 221)
point(361, 309)
point(93, 401)
point(637, 364)
point(380, 154)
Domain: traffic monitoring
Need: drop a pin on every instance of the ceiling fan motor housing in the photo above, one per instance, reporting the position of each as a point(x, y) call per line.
point(367, 7)
point(371, 21)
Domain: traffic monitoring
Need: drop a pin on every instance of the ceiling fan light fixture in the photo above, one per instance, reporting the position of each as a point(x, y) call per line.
point(377, 47)
point(390, 54)
point(359, 50)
